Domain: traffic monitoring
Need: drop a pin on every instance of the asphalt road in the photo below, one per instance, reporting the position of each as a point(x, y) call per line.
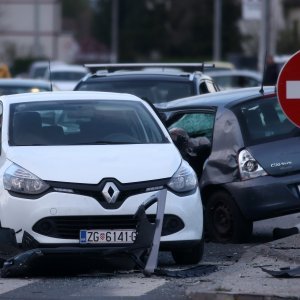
point(65, 280)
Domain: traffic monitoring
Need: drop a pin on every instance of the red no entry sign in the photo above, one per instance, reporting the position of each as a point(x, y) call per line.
point(288, 88)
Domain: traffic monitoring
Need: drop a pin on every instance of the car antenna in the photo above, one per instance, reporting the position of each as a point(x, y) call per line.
point(50, 79)
point(264, 75)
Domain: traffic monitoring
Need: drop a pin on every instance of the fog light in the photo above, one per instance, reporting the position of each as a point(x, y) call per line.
point(171, 224)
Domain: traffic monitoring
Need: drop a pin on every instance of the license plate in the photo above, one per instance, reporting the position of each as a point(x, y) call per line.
point(100, 236)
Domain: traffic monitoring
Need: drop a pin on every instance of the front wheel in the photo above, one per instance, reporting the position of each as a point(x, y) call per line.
point(189, 256)
point(224, 221)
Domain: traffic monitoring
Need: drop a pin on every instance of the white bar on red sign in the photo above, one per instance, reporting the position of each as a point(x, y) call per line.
point(293, 89)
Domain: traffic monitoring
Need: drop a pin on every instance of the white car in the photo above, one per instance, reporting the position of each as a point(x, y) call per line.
point(38, 69)
point(65, 77)
point(77, 163)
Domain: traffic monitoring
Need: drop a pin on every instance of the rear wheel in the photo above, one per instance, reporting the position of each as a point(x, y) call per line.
point(188, 256)
point(224, 221)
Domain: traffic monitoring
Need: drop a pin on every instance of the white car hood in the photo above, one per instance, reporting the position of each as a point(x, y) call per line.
point(90, 164)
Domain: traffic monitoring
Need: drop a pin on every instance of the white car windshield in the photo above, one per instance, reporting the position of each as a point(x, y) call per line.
point(88, 122)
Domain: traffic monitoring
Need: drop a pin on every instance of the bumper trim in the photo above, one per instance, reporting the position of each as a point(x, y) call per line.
point(147, 240)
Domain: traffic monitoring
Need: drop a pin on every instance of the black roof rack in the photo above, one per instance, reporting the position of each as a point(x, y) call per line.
point(200, 66)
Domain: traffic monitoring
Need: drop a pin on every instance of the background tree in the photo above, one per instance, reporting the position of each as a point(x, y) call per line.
point(167, 30)
point(77, 16)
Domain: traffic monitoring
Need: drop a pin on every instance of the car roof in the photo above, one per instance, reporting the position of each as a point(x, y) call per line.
point(68, 68)
point(23, 82)
point(68, 95)
point(219, 99)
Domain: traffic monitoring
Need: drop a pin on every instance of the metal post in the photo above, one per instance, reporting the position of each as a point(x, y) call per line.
point(264, 44)
point(37, 44)
point(217, 29)
point(114, 31)
point(56, 28)
point(160, 210)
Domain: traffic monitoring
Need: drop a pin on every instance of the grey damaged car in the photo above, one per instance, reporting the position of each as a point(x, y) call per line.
point(252, 169)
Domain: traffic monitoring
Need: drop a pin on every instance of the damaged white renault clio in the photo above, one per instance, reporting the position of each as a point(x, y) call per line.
point(75, 166)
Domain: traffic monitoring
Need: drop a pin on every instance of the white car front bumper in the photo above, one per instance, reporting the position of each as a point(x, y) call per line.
point(21, 214)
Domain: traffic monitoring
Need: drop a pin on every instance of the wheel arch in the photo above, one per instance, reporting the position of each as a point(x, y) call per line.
point(208, 190)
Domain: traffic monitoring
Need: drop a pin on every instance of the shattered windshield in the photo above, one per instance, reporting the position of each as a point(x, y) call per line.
point(82, 123)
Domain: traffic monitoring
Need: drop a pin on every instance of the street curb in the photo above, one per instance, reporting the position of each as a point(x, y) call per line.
point(286, 249)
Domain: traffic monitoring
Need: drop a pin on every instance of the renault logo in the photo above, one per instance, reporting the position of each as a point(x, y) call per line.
point(110, 192)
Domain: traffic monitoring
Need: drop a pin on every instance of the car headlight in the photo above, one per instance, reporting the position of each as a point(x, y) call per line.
point(184, 180)
point(249, 167)
point(19, 180)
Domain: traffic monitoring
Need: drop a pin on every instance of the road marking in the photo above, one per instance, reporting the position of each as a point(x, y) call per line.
point(10, 284)
point(126, 287)
point(293, 89)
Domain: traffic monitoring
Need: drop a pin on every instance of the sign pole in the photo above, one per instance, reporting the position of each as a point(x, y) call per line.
point(217, 29)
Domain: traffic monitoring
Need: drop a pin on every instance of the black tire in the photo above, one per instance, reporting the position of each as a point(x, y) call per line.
point(224, 221)
point(189, 256)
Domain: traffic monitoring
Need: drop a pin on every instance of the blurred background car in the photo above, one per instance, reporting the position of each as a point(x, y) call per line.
point(65, 77)
point(280, 60)
point(156, 85)
point(17, 86)
point(233, 79)
point(37, 69)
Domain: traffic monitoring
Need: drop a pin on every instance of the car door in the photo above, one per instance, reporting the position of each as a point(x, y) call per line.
point(196, 128)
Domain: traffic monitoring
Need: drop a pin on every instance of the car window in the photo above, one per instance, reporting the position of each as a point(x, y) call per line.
point(240, 81)
point(155, 91)
point(250, 82)
point(263, 120)
point(82, 123)
point(196, 124)
point(224, 82)
point(235, 81)
point(67, 76)
point(203, 88)
point(39, 72)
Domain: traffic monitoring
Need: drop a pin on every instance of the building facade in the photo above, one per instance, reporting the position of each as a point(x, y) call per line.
point(32, 28)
